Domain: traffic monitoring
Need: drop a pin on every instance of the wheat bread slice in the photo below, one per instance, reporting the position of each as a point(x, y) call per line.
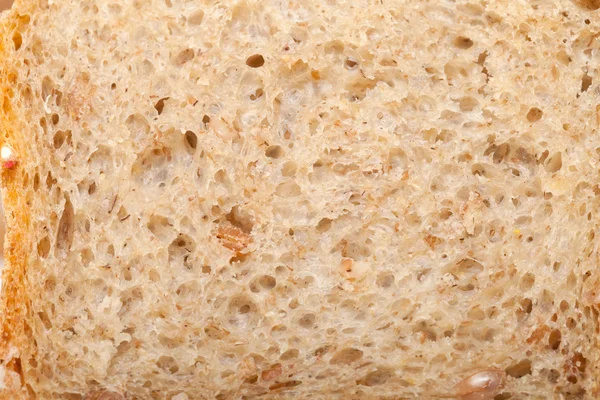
point(300, 199)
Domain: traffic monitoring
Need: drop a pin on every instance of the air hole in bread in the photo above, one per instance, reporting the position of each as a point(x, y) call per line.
point(258, 93)
point(307, 321)
point(64, 234)
point(289, 355)
point(214, 332)
point(111, 250)
point(468, 266)
point(571, 280)
point(167, 363)
point(267, 282)
point(590, 5)
point(47, 88)
point(50, 284)
point(206, 269)
point(255, 61)
point(283, 385)
point(534, 114)
point(564, 306)
point(274, 152)
point(322, 350)
point(425, 331)
point(554, 339)
point(45, 320)
point(377, 377)
point(305, 282)
point(385, 279)
point(160, 227)
point(191, 141)
point(241, 307)
point(122, 214)
point(17, 40)
point(289, 169)
point(27, 95)
point(102, 160)
point(278, 329)
point(542, 158)
point(527, 281)
point(60, 137)
point(138, 126)
point(554, 163)
point(87, 257)
point(43, 247)
point(476, 314)
point(586, 82)
point(499, 153)
point(195, 18)
point(479, 170)
point(92, 188)
point(455, 69)
point(181, 247)
point(324, 225)
point(462, 42)
point(47, 371)
point(467, 103)
point(150, 167)
point(346, 356)
point(131, 300)
point(36, 182)
point(44, 125)
point(160, 105)
point(239, 219)
point(288, 189)
point(553, 375)
point(55, 118)
point(184, 57)
point(445, 214)
point(350, 63)
point(343, 169)
point(519, 369)
point(294, 303)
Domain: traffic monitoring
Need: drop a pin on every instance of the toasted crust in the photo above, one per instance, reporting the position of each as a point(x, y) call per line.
point(15, 298)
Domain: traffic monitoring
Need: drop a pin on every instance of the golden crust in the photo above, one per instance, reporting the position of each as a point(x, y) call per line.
point(17, 240)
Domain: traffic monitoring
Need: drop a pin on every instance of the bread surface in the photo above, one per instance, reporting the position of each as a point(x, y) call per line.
point(307, 199)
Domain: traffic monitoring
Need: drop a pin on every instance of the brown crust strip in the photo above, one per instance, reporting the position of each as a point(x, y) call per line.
point(15, 298)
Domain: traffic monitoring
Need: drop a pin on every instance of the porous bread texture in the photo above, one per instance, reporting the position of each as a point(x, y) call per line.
point(301, 199)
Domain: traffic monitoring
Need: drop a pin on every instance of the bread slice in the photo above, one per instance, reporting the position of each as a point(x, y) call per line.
point(309, 199)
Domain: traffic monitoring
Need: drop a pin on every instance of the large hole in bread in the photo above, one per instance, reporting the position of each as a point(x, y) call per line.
point(64, 235)
point(534, 114)
point(60, 137)
point(462, 42)
point(195, 18)
point(191, 141)
point(167, 363)
point(184, 57)
point(346, 356)
point(160, 227)
point(17, 40)
point(255, 61)
point(377, 377)
point(591, 5)
point(519, 369)
point(43, 247)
